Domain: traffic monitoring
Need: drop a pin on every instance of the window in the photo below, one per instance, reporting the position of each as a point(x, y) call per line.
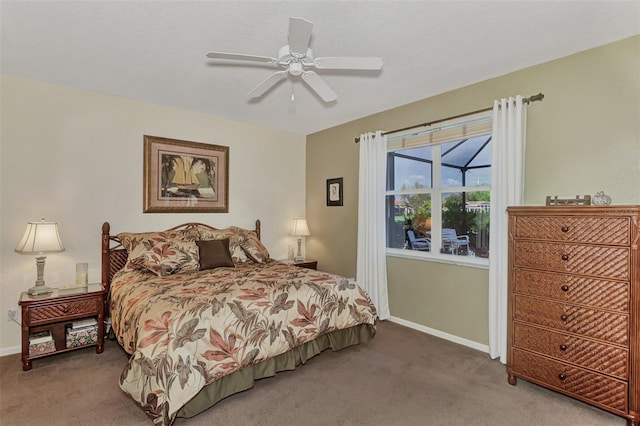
point(439, 184)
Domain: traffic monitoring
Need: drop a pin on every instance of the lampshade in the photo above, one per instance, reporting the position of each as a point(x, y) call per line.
point(300, 228)
point(40, 237)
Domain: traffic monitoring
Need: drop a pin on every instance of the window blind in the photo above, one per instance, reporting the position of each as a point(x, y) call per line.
point(455, 129)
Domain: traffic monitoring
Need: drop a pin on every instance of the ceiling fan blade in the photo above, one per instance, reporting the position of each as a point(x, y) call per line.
point(240, 57)
point(299, 36)
point(348, 63)
point(319, 86)
point(267, 84)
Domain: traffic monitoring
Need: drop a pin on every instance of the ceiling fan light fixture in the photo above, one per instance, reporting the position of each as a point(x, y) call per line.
point(295, 68)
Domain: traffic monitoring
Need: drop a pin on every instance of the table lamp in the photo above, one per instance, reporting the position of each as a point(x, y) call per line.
point(300, 229)
point(40, 238)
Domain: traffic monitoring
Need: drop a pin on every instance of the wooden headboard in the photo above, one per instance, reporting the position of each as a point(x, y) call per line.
point(114, 255)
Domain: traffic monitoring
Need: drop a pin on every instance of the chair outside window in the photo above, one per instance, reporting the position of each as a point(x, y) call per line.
point(423, 244)
point(452, 242)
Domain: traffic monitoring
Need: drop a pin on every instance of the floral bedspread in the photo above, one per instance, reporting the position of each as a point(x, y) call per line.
point(187, 330)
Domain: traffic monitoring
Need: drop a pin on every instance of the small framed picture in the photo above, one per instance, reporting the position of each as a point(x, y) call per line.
point(334, 192)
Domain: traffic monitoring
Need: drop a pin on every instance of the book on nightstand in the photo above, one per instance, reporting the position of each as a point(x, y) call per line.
point(40, 337)
point(84, 323)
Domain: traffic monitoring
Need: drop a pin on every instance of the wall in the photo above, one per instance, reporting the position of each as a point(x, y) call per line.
point(583, 138)
point(76, 157)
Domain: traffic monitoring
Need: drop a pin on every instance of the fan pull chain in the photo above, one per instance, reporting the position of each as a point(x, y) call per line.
point(293, 96)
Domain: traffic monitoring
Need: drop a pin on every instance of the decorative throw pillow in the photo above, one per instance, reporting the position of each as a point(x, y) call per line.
point(254, 248)
point(214, 254)
point(235, 236)
point(131, 240)
point(165, 257)
point(190, 249)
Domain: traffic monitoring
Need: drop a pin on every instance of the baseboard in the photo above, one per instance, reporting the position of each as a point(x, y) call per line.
point(10, 350)
point(441, 334)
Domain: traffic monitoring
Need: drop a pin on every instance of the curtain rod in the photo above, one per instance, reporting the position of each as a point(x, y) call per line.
point(534, 98)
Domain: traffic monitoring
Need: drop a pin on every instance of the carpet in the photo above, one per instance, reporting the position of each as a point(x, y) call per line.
point(402, 378)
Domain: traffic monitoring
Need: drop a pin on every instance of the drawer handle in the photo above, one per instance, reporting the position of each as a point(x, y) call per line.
point(562, 376)
point(565, 229)
point(565, 257)
point(563, 347)
point(564, 317)
point(565, 288)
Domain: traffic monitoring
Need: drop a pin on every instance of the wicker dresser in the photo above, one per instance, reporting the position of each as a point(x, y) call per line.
point(574, 303)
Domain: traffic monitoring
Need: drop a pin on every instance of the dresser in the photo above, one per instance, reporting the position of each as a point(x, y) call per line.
point(574, 303)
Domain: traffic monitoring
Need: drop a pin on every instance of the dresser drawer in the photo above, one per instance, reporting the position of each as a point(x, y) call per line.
point(578, 382)
point(605, 358)
point(63, 310)
point(596, 292)
point(607, 326)
point(603, 261)
point(599, 230)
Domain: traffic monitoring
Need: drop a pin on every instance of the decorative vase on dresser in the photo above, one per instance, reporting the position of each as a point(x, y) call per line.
point(574, 303)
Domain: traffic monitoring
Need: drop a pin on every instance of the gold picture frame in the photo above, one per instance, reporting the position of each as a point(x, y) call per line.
point(185, 177)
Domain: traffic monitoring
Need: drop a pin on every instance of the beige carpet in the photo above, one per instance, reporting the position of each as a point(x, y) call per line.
point(403, 377)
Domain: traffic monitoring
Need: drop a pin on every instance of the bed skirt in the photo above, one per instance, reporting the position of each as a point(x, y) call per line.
point(243, 379)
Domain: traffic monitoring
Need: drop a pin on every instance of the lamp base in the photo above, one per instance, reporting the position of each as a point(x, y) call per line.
point(299, 257)
point(39, 290)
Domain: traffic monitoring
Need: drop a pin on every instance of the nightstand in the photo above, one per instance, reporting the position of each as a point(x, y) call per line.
point(55, 312)
point(306, 263)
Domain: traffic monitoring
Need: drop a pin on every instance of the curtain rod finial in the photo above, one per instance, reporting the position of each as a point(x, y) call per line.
point(538, 97)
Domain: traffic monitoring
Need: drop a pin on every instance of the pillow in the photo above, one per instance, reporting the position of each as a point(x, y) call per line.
point(190, 249)
point(214, 254)
point(131, 240)
point(165, 257)
point(254, 248)
point(235, 236)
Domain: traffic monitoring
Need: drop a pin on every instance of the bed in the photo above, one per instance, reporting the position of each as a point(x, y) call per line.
point(203, 312)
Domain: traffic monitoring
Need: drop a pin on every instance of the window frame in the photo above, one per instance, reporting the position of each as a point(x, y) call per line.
point(436, 192)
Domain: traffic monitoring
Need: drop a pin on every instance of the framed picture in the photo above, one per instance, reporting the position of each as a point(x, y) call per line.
point(185, 177)
point(334, 192)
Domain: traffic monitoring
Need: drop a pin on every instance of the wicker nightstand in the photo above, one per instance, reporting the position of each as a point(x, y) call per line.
point(306, 263)
point(55, 312)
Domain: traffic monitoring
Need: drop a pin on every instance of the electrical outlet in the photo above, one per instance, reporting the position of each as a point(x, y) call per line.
point(13, 315)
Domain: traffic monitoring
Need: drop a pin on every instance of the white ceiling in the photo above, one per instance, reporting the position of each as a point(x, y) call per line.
point(154, 51)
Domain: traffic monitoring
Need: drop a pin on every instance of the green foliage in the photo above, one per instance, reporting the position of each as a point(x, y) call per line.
point(479, 196)
point(455, 216)
point(464, 221)
point(419, 208)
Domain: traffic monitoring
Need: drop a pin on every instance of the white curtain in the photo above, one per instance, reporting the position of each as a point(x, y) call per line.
point(372, 259)
point(507, 182)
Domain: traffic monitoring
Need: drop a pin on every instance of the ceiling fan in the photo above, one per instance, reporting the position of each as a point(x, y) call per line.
point(297, 59)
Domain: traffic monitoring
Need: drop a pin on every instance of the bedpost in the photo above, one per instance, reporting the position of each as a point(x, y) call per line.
point(106, 262)
point(258, 228)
